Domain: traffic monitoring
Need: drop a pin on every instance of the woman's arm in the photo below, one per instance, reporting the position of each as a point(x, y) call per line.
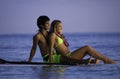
point(51, 45)
point(33, 49)
point(65, 40)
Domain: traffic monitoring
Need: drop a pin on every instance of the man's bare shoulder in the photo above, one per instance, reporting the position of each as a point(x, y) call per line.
point(37, 36)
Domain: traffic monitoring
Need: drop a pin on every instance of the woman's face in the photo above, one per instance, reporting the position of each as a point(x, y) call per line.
point(59, 28)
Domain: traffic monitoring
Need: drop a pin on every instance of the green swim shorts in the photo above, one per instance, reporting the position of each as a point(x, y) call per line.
point(55, 58)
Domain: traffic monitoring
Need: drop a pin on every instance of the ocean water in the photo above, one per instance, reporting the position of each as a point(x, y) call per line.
point(17, 48)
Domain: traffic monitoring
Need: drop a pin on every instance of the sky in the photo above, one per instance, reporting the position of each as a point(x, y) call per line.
point(20, 16)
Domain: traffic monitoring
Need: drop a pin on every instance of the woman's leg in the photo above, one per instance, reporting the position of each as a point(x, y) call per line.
point(69, 60)
point(81, 52)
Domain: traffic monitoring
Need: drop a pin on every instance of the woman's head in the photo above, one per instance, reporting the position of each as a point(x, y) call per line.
point(56, 26)
point(43, 22)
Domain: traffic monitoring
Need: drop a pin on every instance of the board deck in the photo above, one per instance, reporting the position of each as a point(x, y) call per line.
point(4, 62)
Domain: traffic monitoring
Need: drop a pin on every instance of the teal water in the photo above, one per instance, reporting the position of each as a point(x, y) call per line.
point(17, 48)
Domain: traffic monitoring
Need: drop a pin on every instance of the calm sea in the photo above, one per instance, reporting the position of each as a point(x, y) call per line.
point(17, 48)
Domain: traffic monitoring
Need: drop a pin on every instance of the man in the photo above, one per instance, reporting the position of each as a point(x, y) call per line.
point(40, 39)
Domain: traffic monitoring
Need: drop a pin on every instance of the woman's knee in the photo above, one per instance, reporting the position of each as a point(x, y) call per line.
point(89, 48)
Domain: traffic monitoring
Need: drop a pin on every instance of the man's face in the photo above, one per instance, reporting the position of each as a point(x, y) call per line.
point(47, 25)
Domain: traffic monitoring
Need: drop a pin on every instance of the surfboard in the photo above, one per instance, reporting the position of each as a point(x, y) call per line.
point(5, 62)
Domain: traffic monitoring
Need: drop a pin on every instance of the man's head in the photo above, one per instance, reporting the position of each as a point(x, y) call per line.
point(43, 22)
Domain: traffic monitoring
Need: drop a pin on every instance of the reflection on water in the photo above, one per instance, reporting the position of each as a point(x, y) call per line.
point(32, 72)
point(60, 72)
point(49, 72)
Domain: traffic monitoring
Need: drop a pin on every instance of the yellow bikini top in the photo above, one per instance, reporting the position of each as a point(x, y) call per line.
point(59, 41)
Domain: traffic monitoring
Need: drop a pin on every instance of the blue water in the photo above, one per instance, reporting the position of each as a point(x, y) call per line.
point(17, 48)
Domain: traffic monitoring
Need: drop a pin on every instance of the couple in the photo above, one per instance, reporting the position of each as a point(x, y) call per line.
point(54, 47)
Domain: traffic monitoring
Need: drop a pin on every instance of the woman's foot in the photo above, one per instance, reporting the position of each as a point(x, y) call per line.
point(109, 61)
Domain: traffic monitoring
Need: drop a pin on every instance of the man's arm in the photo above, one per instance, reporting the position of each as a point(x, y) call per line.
point(33, 49)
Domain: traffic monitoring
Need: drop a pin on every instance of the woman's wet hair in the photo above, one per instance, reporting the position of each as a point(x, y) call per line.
point(54, 25)
point(42, 20)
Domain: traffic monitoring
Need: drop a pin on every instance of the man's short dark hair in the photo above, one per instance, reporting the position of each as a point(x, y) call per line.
point(41, 21)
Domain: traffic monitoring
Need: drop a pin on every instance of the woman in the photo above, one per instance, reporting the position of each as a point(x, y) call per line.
point(57, 43)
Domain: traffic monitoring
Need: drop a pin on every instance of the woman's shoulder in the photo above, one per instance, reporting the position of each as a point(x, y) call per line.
point(52, 34)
